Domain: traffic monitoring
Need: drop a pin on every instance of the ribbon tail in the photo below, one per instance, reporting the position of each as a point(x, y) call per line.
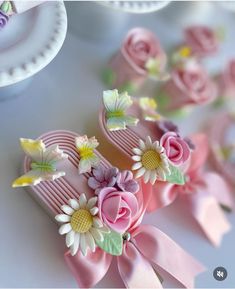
point(159, 249)
point(208, 215)
point(218, 187)
point(88, 270)
point(135, 270)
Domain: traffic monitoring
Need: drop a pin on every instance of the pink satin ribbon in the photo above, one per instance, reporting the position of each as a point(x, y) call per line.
point(201, 195)
point(217, 132)
point(147, 247)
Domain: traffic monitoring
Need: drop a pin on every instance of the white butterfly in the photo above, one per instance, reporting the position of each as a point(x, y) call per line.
point(43, 165)
point(116, 105)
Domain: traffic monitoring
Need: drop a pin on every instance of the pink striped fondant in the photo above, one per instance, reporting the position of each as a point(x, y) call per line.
point(52, 195)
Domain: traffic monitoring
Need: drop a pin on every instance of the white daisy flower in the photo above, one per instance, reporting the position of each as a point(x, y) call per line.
point(81, 225)
point(88, 158)
point(151, 161)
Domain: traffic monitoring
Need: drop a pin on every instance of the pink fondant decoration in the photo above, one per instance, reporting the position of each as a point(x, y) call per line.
point(128, 64)
point(217, 133)
point(163, 193)
point(147, 247)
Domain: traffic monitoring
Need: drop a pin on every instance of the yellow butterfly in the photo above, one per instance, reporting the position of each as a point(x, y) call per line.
point(43, 165)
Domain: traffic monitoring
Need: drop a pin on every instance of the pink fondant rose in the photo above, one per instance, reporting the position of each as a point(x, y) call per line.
point(117, 208)
point(189, 85)
point(139, 46)
point(202, 40)
point(177, 149)
point(130, 64)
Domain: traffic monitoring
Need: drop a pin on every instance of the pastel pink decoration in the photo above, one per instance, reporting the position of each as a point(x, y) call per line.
point(226, 81)
point(117, 209)
point(190, 85)
point(202, 40)
point(128, 64)
point(147, 246)
point(217, 133)
point(201, 194)
point(177, 149)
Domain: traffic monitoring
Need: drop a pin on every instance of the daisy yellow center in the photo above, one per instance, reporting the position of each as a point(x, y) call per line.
point(86, 152)
point(151, 160)
point(81, 221)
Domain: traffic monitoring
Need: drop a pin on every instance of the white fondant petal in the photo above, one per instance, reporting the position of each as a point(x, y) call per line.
point(147, 176)
point(82, 201)
point(91, 203)
point(142, 145)
point(62, 218)
point(83, 244)
point(67, 209)
point(136, 158)
point(97, 222)
point(74, 248)
point(90, 241)
point(64, 229)
point(70, 238)
point(140, 172)
point(137, 151)
point(94, 211)
point(97, 234)
point(136, 166)
point(153, 177)
point(74, 204)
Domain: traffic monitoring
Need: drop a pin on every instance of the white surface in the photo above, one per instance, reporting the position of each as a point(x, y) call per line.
point(67, 95)
point(30, 41)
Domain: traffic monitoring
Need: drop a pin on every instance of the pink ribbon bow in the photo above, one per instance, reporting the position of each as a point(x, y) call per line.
point(147, 248)
point(201, 194)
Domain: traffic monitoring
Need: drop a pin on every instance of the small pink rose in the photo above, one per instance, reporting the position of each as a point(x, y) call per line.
point(202, 40)
point(189, 85)
point(177, 149)
point(117, 208)
point(139, 46)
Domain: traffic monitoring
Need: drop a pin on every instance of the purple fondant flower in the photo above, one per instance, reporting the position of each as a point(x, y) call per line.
point(102, 178)
point(167, 125)
point(126, 183)
point(3, 19)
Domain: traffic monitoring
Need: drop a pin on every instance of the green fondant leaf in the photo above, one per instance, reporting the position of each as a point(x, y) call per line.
point(108, 77)
point(127, 87)
point(6, 7)
point(176, 176)
point(112, 243)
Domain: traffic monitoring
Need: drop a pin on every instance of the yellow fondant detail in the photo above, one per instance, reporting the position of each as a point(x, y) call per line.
point(86, 152)
point(31, 146)
point(151, 160)
point(24, 181)
point(185, 51)
point(81, 221)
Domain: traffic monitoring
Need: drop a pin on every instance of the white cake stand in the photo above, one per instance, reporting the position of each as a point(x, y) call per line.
point(28, 43)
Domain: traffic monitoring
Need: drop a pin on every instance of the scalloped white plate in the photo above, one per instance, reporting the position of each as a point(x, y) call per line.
point(137, 6)
point(30, 41)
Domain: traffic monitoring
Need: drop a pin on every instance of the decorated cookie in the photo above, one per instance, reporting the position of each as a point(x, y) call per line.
point(99, 210)
point(158, 155)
